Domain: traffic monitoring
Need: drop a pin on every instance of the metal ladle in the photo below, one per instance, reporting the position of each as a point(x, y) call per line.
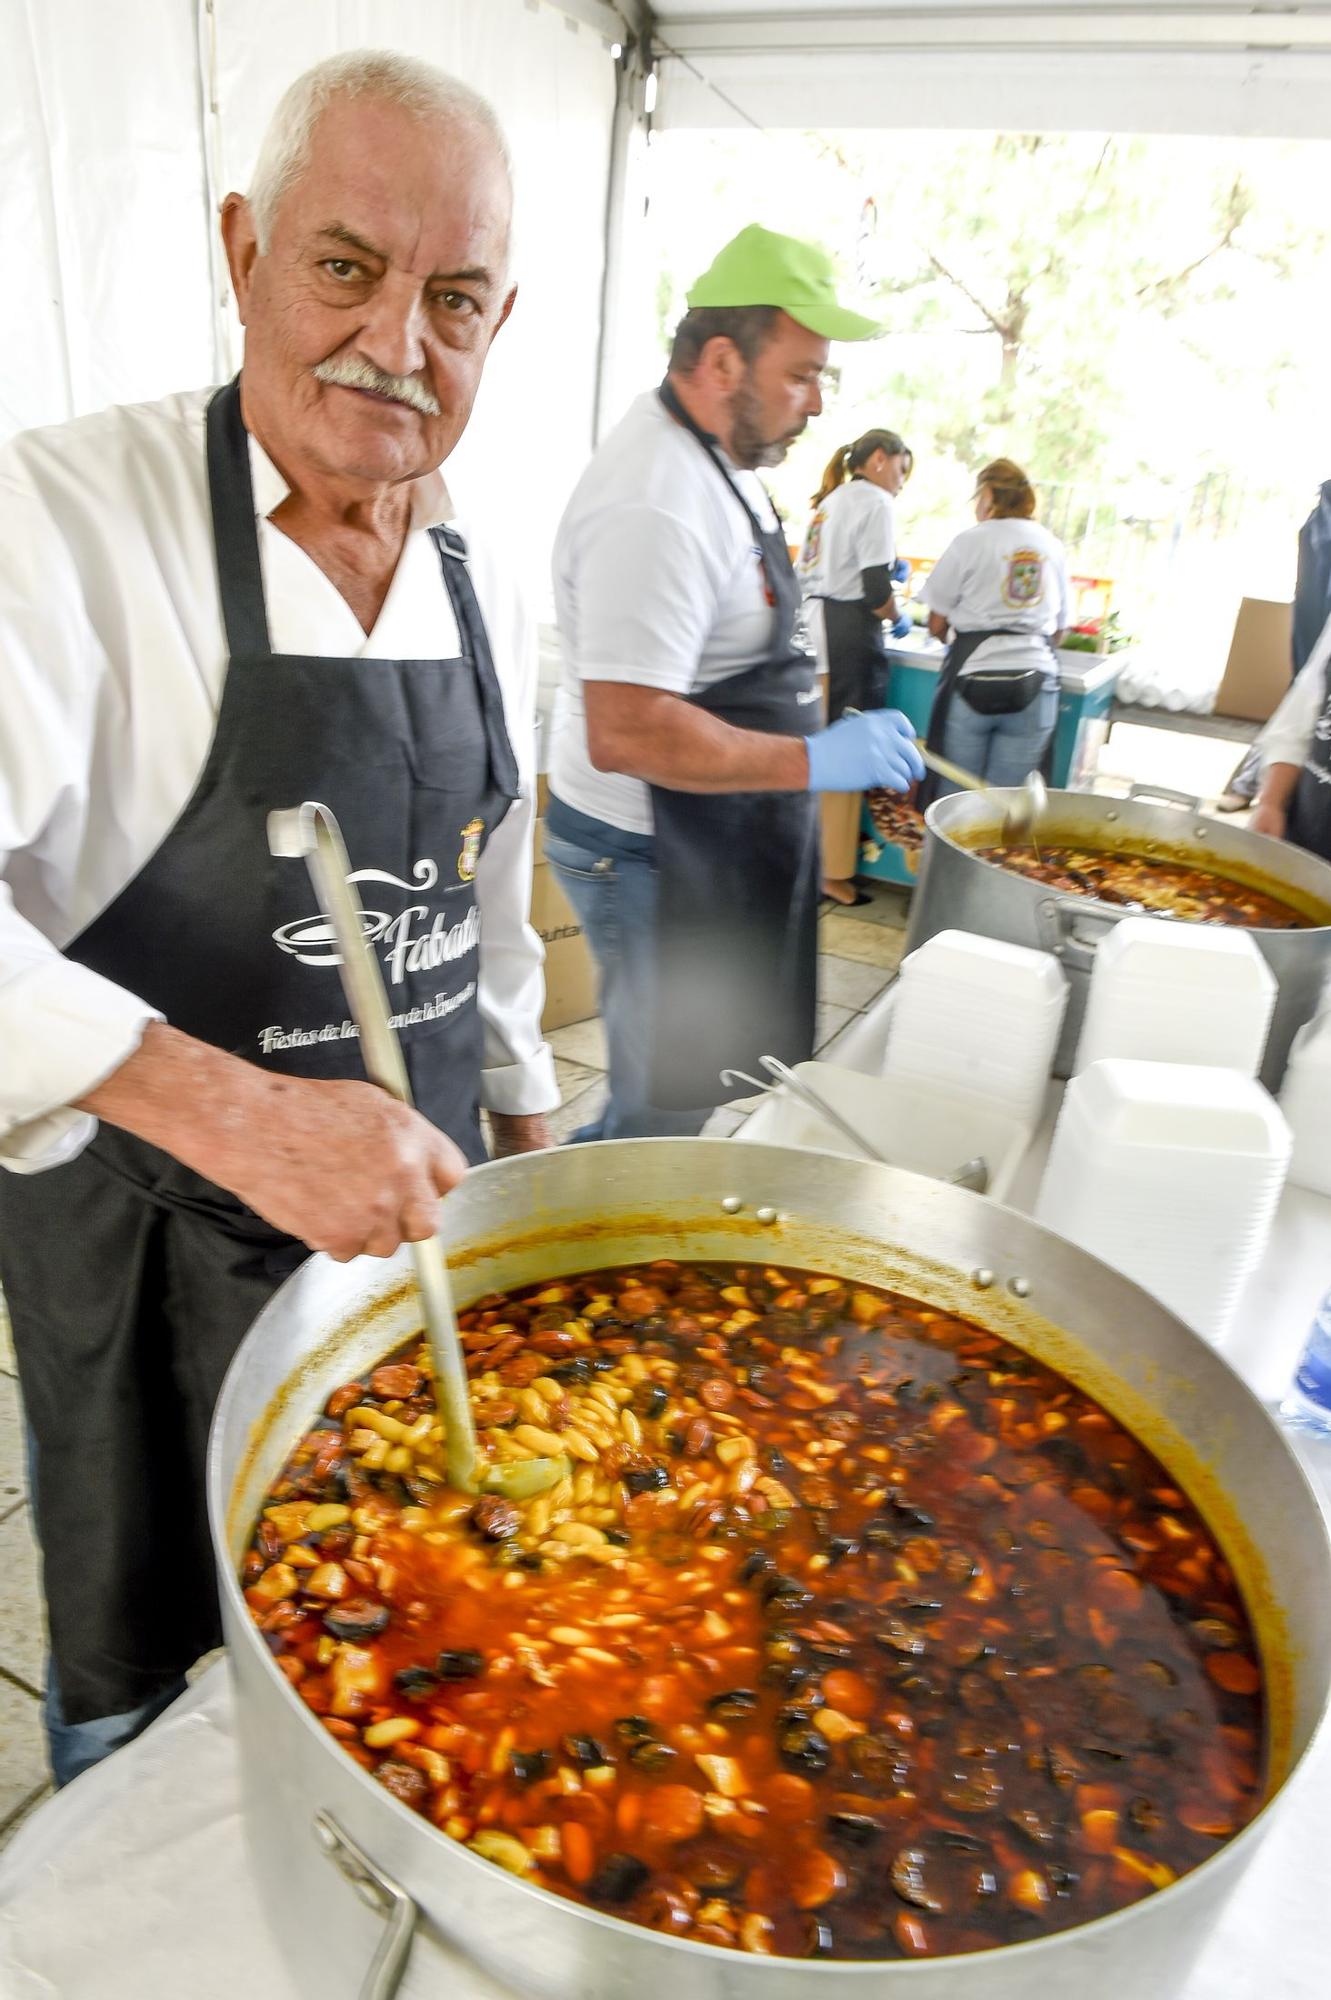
point(1020, 819)
point(310, 833)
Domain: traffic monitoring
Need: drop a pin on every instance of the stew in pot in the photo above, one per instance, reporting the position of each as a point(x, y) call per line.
point(846, 1628)
point(1158, 886)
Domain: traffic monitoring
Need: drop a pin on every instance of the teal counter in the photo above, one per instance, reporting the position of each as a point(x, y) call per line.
point(1086, 690)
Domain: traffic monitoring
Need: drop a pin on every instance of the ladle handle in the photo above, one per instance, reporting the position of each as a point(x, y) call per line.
point(311, 833)
point(952, 772)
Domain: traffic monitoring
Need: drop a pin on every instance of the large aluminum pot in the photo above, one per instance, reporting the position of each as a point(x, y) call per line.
point(552, 1213)
point(958, 891)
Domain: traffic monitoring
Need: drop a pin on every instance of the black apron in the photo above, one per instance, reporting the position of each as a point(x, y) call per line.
point(1309, 822)
point(962, 646)
point(857, 662)
point(738, 873)
point(131, 1280)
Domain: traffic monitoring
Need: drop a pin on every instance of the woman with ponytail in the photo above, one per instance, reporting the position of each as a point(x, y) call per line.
point(1000, 590)
point(848, 564)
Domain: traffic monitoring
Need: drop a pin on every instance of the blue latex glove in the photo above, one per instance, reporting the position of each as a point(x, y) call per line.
point(903, 627)
point(900, 570)
point(862, 752)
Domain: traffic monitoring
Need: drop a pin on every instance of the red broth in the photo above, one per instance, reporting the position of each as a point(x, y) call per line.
point(1141, 882)
point(848, 1630)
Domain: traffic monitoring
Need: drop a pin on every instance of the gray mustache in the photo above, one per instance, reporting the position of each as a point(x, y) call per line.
point(354, 372)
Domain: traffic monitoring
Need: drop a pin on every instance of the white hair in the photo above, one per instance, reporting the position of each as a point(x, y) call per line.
point(418, 87)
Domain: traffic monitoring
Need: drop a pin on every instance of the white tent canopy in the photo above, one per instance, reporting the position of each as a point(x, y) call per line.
point(1025, 65)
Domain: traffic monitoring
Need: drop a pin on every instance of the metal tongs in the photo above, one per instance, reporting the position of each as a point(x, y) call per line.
point(972, 1174)
point(310, 833)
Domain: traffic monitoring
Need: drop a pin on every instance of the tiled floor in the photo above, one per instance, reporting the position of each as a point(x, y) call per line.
point(860, 951)
point(859, 954)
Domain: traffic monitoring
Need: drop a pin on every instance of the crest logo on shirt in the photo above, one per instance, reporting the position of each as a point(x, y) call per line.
point(1023, 580)
point(471, 849)
point(813, 546)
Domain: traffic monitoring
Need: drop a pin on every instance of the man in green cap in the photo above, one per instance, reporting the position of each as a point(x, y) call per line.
point(687, 754)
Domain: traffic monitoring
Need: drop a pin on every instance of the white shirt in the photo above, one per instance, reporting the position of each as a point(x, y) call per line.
point(1011, 575)
point(853, 530)
point(1287, 737)
point(112, 660)
point(658, 583)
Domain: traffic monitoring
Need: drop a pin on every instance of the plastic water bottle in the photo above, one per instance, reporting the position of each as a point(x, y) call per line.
point(1308, 1403)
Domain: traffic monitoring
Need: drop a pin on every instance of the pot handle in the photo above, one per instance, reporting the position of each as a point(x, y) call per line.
point(1166, 796)
point(380, 1893)
point(1064, 936)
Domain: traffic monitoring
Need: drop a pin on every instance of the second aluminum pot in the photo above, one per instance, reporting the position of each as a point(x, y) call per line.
point(958, 891)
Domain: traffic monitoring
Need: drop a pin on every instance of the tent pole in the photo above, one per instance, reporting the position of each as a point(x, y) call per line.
point(628, 146)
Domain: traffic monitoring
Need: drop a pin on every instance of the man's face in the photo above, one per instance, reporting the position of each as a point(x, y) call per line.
point(779, 392)
point(387, 262)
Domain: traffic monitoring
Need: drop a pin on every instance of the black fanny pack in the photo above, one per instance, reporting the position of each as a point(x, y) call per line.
point(1001, 691)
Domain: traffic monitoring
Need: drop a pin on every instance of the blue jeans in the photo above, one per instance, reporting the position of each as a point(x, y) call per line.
point(609, 877)
point(1001, 749)
point(74, 1746)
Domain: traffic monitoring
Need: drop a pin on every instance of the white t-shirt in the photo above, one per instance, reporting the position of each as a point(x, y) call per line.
point(658, 583)
point(1288, 736)
point(853, 530)
point(1002, 575)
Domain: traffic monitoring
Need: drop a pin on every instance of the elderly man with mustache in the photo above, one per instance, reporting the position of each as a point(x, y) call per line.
point(210, 607)
point(682, 818)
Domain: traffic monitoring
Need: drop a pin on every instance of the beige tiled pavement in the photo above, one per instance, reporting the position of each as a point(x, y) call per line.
point(860, 951)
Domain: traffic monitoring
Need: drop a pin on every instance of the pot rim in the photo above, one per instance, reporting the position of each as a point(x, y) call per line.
point(1231, 1857)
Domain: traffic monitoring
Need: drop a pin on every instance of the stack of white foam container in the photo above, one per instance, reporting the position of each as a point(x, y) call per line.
point(1305, 1099)
point(1170, 1172)
point(1190, 993)
point(977, 1015)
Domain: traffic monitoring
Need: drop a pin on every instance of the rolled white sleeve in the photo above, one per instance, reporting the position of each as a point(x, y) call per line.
point(875, 535)
point(942, 586)
point(1063, 610)
point(648, 592)
point(1287, 736)
point(63, 1028)
point(518, 1073)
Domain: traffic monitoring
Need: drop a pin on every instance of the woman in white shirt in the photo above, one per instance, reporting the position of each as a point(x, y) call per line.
point(848, 560)
point(848, 563)
point(1001, 590)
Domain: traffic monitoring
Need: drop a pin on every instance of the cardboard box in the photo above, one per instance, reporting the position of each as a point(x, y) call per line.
point(570, 969)
point(840, 814)
point(1259, 668)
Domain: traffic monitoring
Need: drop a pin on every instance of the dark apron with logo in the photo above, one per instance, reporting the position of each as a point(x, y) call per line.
point(738, 873)
point(963, 645)
point(131, 1280)
point(1309, 822)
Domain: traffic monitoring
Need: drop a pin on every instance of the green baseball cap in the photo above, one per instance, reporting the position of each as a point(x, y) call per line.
point(760, 268)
